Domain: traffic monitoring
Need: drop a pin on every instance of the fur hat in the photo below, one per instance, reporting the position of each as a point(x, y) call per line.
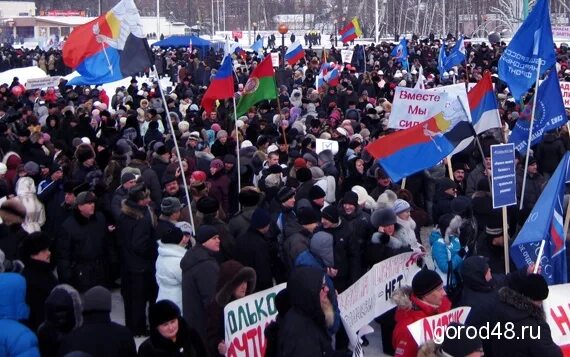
point(138, 192)
point(383, 217)
point(232, 274)
point(84, 152)
point(161, 312)
point(12, 211)
point(249, 196)
point(285, 193)
point(207, 205)
point(33, 244)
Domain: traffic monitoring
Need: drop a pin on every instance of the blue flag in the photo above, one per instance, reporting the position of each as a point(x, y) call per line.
point(441, 59)
point(400, 53)
point(550, 114)
point(533, 41)
point(456, 56)
point(257, 45)
point(546, 222)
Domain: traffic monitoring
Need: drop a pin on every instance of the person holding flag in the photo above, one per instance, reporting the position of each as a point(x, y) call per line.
point(400, 54)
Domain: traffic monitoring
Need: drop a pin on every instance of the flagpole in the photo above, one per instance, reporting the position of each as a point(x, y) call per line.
point(506, 240)
point(449, 167)
point(177, 151)
point(237, 145)
point(530, 130)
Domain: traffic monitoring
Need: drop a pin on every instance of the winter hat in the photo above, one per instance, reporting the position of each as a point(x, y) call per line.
point(494, 227)
point(170, 205)
point(217, 164)
point(230, 159)
point(127, 176)
point(350, 198)
point(299, 163)
point(221, 134)
point(260, 218)
point(383, 217)
point(173, 236)
point(216, 127)
point(184, 226)
point(167, 178)
point(161, 150)
point(306, 216)
point(205, 233)
point(461, 345)
point(425, 281)
point(207, 205)
point(84, 152)
point(400, 206)
point(361, 193)
point(183, 126)
point(316, 192)
point(138, 192)
point(97, 299)
point(461, 205)
point(85, 197)
point(321, 245)
point(317, 172)
point(33, 244)
point(54, 167)
point(3, 168)
point(198, 176)
point(310, 158)
point(274, 169)
point(31, 168)
point(446, 183)
point(387, 199)
point(249, 197)
point(533, 286)
point(304, 174)
point(285, 193)
point(161, 312)
point(330, 213)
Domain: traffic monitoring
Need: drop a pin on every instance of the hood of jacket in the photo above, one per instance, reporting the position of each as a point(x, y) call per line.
point(64, 308)
point(171, 250)
point(519, 306)
point(25, 186)
point(304, 288)
point(132, 210)
point(12, 160)
point(232, 274)
point(13, 297)
point(473, 273)
point(197, 255)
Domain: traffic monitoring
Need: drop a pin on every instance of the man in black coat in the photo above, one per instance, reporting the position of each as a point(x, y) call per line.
point(99, 336)
point(199, 277)
point(359, 220)
point(83, 246)
point(38, 272)
point(138, 256)
point(254, 249)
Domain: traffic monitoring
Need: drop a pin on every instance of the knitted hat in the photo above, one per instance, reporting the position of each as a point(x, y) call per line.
point(304, 174)
point(383, 217)
point(33, 244)
point(446, 183)
point(170, 205)
point(31, 168)
point(207, 205)
point(299, 163)
point(85, 197)
point(307, 215)
point(205, 232)
point(161, 312)
point(494, 227)
point(199, 176)
point(173, 236)
point(400, 206)
point(330, 213)
point(461, 345)
point(138, 193)
point(285, 193)
point(316, 192)
point(350, 198)
point(217, 164)
point(97, 299)
point(127, 176)
point(184, 226)
point(260, 218)
point(425, 281)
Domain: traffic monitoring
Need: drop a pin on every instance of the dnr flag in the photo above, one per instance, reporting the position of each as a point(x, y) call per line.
point(109, 48)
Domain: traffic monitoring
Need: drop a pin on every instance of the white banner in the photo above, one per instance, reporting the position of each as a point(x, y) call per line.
point(565, 89)
point(433, 327)
point(413, 106)
point(245, 321)
point(370, 296)
point(561, 32)
point(275, 59)
point(557, 311)
point(323, 144)
point(346, 56)
point(43, 82)
point(455, 91)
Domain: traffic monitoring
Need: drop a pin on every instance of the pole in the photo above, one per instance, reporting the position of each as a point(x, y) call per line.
point(443, 18)
point(224, 14)
point(157, 18)
point(177, 151)
point(530, 131)
point(100, 10)
point(566, 221)
point(237, 146)
point(218, 12)
point(403, 186)
point(506, 240)
point(450, 168)
point(213, 20)
point(376, 22)
point(248, 21)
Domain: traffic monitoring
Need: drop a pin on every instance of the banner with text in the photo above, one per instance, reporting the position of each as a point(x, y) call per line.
point(346, 56)
point(557, 312)
point(565, 89)
point(43, 82)
point(413, 106)
point(561, 32)
point(433, 327)
point(275, 59)
point(370, 296)
point(503, 175)
point(245, 321)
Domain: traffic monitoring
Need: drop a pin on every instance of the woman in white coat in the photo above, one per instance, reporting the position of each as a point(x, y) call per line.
point(171, 249)
point(35, 212)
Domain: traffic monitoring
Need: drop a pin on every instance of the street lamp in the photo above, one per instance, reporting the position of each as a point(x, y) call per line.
point(335, 33)
point(283, 29)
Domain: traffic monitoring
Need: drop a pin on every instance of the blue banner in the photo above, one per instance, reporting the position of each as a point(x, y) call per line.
point(532, 42)
point(549, 114)
point(504, 175)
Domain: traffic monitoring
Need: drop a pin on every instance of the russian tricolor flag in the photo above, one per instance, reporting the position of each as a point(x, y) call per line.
point(483, 105)
point(221, 86)
point(294, 53)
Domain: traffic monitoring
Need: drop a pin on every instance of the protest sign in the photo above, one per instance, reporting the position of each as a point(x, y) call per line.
point(557, 312)
point(561, 32)
point(323, 144)
point(245, 321)
point(565, 90)
point(370, 296)
point(346, 56)
point(456, 91)
point(503, 176)
point(275, 59)
point(43, 82)
point(413, 106)
point(433, 327)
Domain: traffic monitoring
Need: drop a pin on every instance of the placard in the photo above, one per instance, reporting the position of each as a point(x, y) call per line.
point(346, 56)
point(275, 59)
point(503, 175)
point(414, 106)
point(557, 311)
point(433, 327)
point(43, 82)
point(323, 144)
point(565, 90)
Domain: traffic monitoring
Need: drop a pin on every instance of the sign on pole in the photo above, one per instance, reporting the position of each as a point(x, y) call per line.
point(323, 144)
point(503, 175)
point(346, 56)
point(275, 59)
point(414, 106)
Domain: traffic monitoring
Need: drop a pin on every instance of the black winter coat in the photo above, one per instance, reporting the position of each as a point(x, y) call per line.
point(40, 280)
point(199, 277)
point(254, 250)
point(99, 336)
point(188, 344)
point(549, 153)
point(346, 250)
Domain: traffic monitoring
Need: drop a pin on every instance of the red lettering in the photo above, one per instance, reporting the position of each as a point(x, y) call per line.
point(561, 319)
point(428, 330)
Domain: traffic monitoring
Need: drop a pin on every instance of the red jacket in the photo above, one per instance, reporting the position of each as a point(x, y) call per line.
point(410, 310)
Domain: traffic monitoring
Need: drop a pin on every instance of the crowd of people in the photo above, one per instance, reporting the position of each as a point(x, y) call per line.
point(92, 199)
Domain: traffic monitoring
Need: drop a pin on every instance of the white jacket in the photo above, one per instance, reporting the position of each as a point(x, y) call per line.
point(407, 233)
point(35, 212)
point(168, 273)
